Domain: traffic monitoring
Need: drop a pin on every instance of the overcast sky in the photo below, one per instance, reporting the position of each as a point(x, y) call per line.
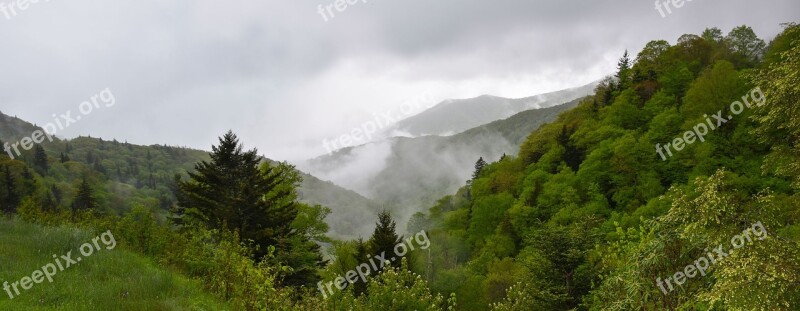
point(283, 78)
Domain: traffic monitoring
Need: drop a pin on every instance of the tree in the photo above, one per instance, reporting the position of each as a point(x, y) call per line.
point(64, 158)
point(362, 256)
point(779, 113)
point(479, 166)
point(713, 34)
point(624, 71)
point(11, 200)
point(233, 192)
point(385, 237)
point(84, 199)
point(745, 43)
point(40, 160)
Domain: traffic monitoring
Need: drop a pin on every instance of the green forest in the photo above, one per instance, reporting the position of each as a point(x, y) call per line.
point(673, 187)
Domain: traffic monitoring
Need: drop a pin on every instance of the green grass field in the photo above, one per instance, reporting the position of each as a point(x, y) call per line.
point(107, 280)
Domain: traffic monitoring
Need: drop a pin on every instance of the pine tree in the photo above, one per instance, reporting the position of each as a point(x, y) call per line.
point(49, 202)
point(64, 158)
point(623, 71)
point(360, 287)
point(479, 166)
point(84, 199)
point(57, 195)
point(232, 193)
point(98, 166)
point(385, 237)
point(40, 160)
point(11, 200)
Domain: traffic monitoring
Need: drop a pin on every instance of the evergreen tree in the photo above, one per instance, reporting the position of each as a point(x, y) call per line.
point(479, 166)
point(11, 200)
point(40, 160)
point(231, 192)
point(623, 71)
point(49, 202)
point(57, 195)
point(385, 237)
point(84, 199)
point(64, 158)
point(362, 256)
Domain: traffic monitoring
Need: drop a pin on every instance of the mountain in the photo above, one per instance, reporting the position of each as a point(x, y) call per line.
point(458, 115)
point(12, 129)
point(143, 175)
point(408, 174)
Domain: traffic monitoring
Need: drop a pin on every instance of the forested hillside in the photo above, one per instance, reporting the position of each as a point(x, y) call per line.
point(588, 215)
point(124, 175)
point(673, 187)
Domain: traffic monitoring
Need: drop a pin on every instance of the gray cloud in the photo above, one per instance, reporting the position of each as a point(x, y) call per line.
point(184, 72)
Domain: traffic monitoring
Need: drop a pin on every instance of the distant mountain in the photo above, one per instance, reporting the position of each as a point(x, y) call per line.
point(12, 129)
point(409, 174)
point(137, 174)
point(458, 115)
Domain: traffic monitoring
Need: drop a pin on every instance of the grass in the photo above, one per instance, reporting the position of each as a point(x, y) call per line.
point(107, 280)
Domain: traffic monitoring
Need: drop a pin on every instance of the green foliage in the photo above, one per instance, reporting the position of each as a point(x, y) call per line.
point(589, 216)
point(395, 289)
point(116, 279)
point(385, 237)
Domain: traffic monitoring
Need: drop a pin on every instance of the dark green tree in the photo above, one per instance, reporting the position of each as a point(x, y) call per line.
point(362, 256)
point(84, 199)
point(11, 199)
point(57, 195)
point(624, 71)
point(231, 192)
point(479, 166)
point(40, 160)
point(64, 158)
point(385, 237)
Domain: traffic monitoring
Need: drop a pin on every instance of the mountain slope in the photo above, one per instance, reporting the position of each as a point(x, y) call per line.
point(144, 174)
point(456, 116)
point(408, 174)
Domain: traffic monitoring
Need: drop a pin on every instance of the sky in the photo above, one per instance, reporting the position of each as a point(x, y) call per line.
point(284, 75)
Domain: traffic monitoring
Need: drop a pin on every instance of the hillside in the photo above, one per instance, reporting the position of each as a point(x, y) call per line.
point(407, 174)
point(457, 115)
point(133, 174)
point(594, 214)
point(120, 279)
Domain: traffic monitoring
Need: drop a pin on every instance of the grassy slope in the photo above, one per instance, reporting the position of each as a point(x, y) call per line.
point(108, 280)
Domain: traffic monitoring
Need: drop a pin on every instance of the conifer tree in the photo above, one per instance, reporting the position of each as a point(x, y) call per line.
point(231, 193)
point(479, 166)
point(11, 200)
point(84, 199)
point(362, 256)
point(64, 158)
point(623, 71)
point(40, 160)
point(385, 237)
